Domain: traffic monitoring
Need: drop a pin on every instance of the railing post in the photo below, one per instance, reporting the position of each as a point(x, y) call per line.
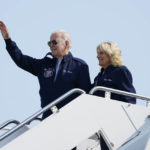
point(147, 103)
point(107, 95)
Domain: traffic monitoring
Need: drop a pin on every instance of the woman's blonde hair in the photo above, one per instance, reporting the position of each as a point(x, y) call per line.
point(113, 51)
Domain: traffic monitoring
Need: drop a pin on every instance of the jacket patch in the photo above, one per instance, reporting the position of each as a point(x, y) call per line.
point(107, 79)
point(65, 71)
point(48, 72)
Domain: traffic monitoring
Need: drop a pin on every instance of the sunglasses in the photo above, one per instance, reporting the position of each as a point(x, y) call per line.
point(54, 42)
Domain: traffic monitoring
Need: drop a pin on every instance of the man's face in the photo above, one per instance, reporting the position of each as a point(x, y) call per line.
point(57, 45)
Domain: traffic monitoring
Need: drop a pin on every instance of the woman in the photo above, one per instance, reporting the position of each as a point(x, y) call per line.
point(113, 73)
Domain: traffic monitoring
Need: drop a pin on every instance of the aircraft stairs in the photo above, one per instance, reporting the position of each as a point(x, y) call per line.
point(83, 124)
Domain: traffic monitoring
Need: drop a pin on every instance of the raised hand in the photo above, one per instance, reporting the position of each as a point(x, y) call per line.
point(4, 30)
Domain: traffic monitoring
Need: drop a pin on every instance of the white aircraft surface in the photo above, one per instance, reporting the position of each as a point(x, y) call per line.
point(82, 124)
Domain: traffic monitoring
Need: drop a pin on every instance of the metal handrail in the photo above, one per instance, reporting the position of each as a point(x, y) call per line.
point(26, 121)
point(101, 88)
point(3, 125)
point(37, 118)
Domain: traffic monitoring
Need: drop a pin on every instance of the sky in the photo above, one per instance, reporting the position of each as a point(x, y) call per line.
point(89, 22)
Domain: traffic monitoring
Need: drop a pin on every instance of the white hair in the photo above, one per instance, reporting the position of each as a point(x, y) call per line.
point(65, 35)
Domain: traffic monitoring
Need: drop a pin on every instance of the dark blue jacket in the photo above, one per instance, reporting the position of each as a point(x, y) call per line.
point(117, 78)
point(73, 73)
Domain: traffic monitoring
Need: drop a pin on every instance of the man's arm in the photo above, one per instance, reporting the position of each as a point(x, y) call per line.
point(4, 30)
point(23, 61)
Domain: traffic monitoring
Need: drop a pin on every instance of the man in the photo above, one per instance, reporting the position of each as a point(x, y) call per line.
point(58, 74)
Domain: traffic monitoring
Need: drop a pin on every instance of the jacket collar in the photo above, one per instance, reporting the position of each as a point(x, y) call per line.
point(65, 58)
point(108, 69)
